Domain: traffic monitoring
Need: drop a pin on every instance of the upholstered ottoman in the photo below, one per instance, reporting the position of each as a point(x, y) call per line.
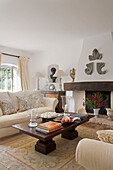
point(89, 129)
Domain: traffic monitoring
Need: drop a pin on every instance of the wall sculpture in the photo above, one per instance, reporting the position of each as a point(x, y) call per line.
point(95, 56)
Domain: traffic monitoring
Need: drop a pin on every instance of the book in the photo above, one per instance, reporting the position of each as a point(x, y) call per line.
point(48, 131)
point(49, 125)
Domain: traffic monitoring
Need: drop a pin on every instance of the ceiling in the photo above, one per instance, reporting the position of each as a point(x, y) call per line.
point(36, 24)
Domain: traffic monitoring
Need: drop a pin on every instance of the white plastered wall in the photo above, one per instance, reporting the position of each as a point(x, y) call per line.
point(104, 44)
point(66, 56)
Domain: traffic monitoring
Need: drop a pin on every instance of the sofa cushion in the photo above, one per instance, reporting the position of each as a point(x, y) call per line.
point(14, 100)
point(19, 117)
point(37, 99)
point(14, 97)
point(24, 102)
point(7, 107)
point(6, 104)
point(105, 135)
point(3, 95)
point(1, 113)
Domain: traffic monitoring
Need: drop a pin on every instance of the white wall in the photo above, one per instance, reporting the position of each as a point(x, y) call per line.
point(104, 44)
point(65, 56)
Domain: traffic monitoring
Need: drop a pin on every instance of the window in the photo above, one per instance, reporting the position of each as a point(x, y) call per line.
point(8, 78)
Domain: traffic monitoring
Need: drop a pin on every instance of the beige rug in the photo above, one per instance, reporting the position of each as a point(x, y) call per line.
point(17, 153)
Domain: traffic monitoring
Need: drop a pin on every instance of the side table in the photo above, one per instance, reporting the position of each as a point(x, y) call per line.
point(55, 94)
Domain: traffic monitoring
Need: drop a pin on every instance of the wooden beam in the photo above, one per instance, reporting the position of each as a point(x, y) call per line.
point(89, 86)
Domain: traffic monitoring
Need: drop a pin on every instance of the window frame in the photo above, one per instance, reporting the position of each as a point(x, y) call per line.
point(6, 66)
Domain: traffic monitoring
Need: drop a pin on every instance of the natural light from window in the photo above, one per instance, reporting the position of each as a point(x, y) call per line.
point(9, 78)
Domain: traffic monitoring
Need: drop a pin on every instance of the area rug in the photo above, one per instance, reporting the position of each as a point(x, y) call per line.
point(18, 153)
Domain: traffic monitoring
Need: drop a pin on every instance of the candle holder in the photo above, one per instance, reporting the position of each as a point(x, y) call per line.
point(33, 123)
point(65, 104)
point(33, 117)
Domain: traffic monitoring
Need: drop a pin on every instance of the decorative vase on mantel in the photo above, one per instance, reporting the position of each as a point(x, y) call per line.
point(96, 112)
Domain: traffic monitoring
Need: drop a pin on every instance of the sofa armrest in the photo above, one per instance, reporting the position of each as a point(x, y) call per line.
point(50, 103)
point(95, 155)
point(105, 135)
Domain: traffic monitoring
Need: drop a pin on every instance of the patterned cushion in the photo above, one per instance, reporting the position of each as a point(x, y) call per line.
point(7, 106)
point(37, 99)
point(14, 100)
point(105, 135)
point(1, 113)
point(24, 103)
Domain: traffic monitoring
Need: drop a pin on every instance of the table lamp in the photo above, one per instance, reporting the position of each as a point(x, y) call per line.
point(38, 76)
point(60, 74)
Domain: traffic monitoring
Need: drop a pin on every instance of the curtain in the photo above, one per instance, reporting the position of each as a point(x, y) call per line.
point(24, 73)
point(0, 59)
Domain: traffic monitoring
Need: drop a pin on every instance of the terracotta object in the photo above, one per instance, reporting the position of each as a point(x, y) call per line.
point(72, 74)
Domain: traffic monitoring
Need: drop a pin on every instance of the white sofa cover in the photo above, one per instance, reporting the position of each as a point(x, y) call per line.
point(6, 121)
point(94, 155)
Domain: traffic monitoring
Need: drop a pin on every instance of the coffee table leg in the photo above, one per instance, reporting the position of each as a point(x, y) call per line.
point(45, 147)
point(71, 134)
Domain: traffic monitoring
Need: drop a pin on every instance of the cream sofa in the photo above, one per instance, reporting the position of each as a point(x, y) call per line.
point(6, 121)
point(96, 155)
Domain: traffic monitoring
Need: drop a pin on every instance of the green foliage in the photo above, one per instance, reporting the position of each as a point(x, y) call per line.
point(5, 73)
point(96, 101)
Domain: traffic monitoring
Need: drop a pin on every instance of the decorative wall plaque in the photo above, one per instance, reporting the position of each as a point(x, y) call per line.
point(99, 68)
point(95, 55)
point(51, 71)
point(89, 69)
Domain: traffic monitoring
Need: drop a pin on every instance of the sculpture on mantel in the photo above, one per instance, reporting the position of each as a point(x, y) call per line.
point(72, 74)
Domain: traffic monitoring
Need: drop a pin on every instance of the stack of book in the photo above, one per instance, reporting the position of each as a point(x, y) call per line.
point(49, 127)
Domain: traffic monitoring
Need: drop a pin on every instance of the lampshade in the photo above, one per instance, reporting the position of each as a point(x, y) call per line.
point(38, 74)
point(60, 73)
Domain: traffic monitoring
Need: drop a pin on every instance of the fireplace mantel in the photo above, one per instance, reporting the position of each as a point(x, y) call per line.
point(89, 86)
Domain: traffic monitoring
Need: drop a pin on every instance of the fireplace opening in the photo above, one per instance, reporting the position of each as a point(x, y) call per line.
point(106, 100)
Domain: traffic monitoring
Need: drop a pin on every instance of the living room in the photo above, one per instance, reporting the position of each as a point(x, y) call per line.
point(76, 38)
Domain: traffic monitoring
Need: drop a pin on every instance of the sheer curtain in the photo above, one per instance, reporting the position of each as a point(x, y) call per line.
point(24, 73)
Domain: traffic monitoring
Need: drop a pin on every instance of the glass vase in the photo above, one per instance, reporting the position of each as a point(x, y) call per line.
point(33, 116)
point(96, 112)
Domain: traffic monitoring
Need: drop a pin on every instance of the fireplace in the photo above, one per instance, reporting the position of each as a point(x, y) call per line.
point(106, 99)
point(79, 90)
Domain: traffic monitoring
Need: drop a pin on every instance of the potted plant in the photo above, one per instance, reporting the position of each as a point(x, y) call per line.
point(95, 102)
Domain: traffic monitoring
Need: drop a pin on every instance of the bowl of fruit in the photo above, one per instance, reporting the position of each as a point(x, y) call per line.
point(67, 120)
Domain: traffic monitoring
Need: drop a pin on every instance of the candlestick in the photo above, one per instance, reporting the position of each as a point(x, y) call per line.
point(66, 108)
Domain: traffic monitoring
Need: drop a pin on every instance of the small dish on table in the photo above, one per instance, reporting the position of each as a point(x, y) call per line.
point(49, 116)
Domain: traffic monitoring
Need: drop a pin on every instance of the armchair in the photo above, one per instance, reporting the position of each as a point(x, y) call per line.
point(94, 155)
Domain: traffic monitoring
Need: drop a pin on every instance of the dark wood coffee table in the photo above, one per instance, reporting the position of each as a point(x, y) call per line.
point(46, 144)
